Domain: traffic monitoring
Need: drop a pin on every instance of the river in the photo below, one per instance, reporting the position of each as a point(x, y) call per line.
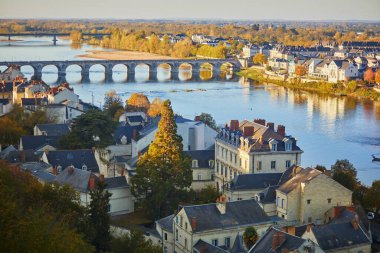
point(327, 128)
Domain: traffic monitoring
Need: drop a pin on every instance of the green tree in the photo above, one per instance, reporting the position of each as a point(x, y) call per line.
point(345, 173)
point(164, 172)
point(206, 195)
point(207, 119)
point(93, 128)
point(260, 59)
point(99, 217)
point(133, 243)
point(10, 132)
point(371, 197)
point(250, 237)
point(321, 168)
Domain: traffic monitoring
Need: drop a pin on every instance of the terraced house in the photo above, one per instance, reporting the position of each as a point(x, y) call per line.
point(253, 147)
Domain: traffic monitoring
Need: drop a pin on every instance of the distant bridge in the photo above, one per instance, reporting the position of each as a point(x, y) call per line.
point(174, 64)
point(48, 34)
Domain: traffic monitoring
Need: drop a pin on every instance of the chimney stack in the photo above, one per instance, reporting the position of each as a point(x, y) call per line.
point(259, 121)
point(194, 223)
point(221, 204)
point(355, 224)
point(134, 135)
point(70, 170)
point(234, 125)
point(92, 182)
point(281, 130)
point(248, 131)
point(277, 240)
point(197, 118)
point(55, 170)
point(270, 125)
point(101, 178)
point(291, 230)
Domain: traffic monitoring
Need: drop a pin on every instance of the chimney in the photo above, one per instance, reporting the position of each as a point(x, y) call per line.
point(221, 204)
point(291, 230)
point(92, 182)
point(55, 170)
point(22, 156)
point(138, 154)
point(248, 131)
point(337, 211)
point(355, 224)
point(281, 130)
point(203, 248)
point(197, 118)
point(70, 170)
point(101, 178)
point(308, 227)
point(122, 172)
point(194, 223)
point(259, 121)
point(134, 135)
point(277, 240)
point(270, 125)
point(234, 125)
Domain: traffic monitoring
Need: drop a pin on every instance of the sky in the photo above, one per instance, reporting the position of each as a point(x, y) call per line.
point(193, 9)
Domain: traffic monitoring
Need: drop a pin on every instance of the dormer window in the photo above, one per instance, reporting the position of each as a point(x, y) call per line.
point(84, 167)
point(273, 145)
point(288, 146)
point(195, 163)
point(211, 163)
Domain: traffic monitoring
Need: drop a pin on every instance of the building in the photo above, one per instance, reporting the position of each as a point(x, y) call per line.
point(121, 200)
point(306, 196)
point(164, 227)
point(217, 224)
point(51, 129)
point(5, 106)
point(278, 63)
point(62, 93)
point(11, 73)
point(276, 240)
point(253, 147)
point(202, 165)
point(250, 50)
point(341, 70)
point(39, 143)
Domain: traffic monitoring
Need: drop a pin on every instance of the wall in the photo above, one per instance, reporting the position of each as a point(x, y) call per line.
point(121, 201)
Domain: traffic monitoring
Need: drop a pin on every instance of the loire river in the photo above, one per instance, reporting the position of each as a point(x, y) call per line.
point(327, 128)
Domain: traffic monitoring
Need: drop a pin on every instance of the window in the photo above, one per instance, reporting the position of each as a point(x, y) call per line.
point(287, 164)
point(199, 177)
point(215, 242)
point(108, 208)
point(195, 163)
point(176, 235)
point(165, 249)
point(176, 219)
point(235, 158)
point(166, 236)
point(227, 242)
point(329, 201)
point(288, 146)
point(185, 243)
point(308, 201)
point(84, 167)
point(217, 167)
point(277, 201)
point(226, 154)
point(230, 156)
point(309, 219)
point(225, 171)
point(282, 203)
point(259, 165)
point(274, 147)
point(273, 165)
point(245, 164)
point(211, 163)
point(181, 221)
point(185, 225)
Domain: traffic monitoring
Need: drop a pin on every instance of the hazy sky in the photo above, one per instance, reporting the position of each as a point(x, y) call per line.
point(198, 9)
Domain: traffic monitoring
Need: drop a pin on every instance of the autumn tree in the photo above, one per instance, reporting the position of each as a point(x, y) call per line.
point(137, 102)
point(207, 119)
point(10, 132)
point(377, 76)
point(371, 197)
point(250, 237)
point(76, 37)
point(260, 59)
point(300, 70)
point(369, 75)
point(163, 173)
point(112, 103)
point(155, 107)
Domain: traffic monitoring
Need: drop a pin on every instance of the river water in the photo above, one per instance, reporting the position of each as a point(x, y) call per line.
point(327, 128)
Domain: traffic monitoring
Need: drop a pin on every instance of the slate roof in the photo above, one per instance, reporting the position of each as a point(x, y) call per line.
point(39, 170)
point(264, 245)
point(167, 223)
point(238, 213)
point(5, 101)
point(333, 236)
point(77, 158)
point(37, 142)
point(135, 118)
point(54, 129)
point(116, 182)
point(153, 125)
point(268, 195)
point(300, 230)
point(33, 101)
point(5, 152)
point(208, 248)
point(304, 176)
point(238, 246)
point(78, 179)
point(254, 181)
point(202, 156)
point(24, 156)
point(127, 131)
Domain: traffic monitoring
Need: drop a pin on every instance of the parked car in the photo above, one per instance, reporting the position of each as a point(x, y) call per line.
point(370, 215)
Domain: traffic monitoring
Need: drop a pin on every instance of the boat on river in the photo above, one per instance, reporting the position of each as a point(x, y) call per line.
point(376, 158)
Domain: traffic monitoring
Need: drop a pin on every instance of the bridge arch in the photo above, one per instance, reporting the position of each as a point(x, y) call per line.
point(227, 70)
point(119, 72)
point(187, 71)
point(207, 70)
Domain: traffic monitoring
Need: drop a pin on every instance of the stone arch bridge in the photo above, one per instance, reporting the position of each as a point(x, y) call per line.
point(85, 65)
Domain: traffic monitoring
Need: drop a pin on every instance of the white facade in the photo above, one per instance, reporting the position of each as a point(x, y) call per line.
point(64, 95)
point(121, 201)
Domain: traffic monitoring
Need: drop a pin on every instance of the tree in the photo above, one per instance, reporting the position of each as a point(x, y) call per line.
point(345, 173)
point(99, 217)
point(164, 172)
point(10, 132)
point(371, 197)
point(137, 102)
point(369, 75)
point(207, 119)
point(321, 168)
point(377, 76)
point(155, 107)
point(206, 195)
point(133, 242)
point(300, 70)
point(93, 128)
point(250, 237)
point(260, 59)
point(112, 103)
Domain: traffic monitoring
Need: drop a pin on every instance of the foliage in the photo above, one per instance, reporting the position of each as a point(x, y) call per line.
point(369, 75)
point(345, 173)
point(137, 102)
point(250, 237)
point(183, 49)
point(93, 128)
point(206, 195)
point(99, 217)
point(220, 51)
point(163, 173)
point(300, 70)
point(112, 103)
point(377, 76)
point(38, 218)
point(260, 59)
point(321, 168)
point(155, 107)
point(76, 37)
point(371, 198)
point(10, 132)
point(133, 242)
point(351, 86)
point(207, 119)
point(268, 68)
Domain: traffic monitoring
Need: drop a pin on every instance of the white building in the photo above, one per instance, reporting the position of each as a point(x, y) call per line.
point(341, 70)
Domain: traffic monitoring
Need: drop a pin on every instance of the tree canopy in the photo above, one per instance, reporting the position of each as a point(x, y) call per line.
point(250, 237)
point(137, 102)
point(112, 104)
point(207, 119)
point(163, 173)
point(134, 243)
point(260, 59)
point(155, 107)
point(345, 173)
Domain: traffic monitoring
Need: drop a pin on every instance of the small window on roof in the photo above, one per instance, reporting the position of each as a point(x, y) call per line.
point(84, 167)
point(195, 163)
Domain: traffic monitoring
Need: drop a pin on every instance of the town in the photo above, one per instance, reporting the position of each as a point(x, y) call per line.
point(130, 164)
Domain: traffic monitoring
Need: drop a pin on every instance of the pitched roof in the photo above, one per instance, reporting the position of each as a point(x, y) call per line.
point(202, 246)
point(264, 245)
point(338, 235)
point(39, 170)
point(39, 141)
point(127, 131)
point(5, 152)
point(76, 158)
point(238, 213)
point(116, 182)
point(153, 125)
point(5, 101)
point(54, 129)
point(167, 223)
point(304, 176)
point(254, 181)
point(238, 246)
point(268, 195)
point(135, 118)
point(202, 156)
point(78, 179)
point(28, 155)
point(33, 101)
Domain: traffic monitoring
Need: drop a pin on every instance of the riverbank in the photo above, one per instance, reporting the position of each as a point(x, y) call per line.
point(123, 55)
point(351, 89)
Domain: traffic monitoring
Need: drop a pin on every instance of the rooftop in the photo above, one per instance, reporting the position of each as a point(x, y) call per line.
point(54, 129)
